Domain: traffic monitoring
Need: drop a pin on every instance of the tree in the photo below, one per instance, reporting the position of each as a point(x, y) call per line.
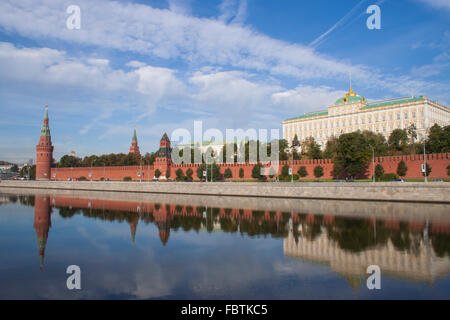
point(167, 173)
point(378, 141)
point(284, 172)
point(14, 168)
point(337, 170)
point(318, 171)
point(207, 168)
point(241, 173)
point(398, 140)
point(353, 153)
point(311, 148)
point(256, 171)
point(402, 168)
point(180, 175)
point(302, 172)
point(228, 174)
point(379, 172)
point(428, 170)
point(157, 173)
point(330, 148)
point(412, 133)
point(189, 173)
point(438, 139)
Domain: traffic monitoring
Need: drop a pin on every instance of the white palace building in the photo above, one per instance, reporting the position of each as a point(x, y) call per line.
point(352, 113)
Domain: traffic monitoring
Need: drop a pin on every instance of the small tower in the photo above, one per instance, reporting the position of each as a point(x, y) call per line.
point(134, 149)
point(44, 151)
point(42, 224)
point(163, 159)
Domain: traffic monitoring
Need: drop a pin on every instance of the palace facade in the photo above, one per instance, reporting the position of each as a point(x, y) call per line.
point(353, 112)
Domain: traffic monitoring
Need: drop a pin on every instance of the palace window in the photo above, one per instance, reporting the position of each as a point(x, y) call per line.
point(406, 114)
point(398, 115)
point(384, 117)
point(414, 114)
point(370, 119)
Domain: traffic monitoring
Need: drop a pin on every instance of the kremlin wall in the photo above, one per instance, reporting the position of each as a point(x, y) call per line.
point(163, 163)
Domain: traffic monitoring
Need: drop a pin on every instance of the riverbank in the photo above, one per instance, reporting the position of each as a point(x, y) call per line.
point(432, 192)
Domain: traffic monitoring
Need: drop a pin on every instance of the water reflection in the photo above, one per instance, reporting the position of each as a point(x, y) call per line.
point(412, 249)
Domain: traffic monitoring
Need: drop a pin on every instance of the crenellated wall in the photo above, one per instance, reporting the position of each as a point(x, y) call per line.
point(438, 163)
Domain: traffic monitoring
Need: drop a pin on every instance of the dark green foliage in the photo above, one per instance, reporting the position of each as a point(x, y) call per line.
point(402, 168)
point(398, 140)
point(428, 170)
point(302, 172)
point(353, 153)
point(318, 171)
point(241, 173)
point(379, 172)
point(189, 173)
point(82, 178)
point(389, 177)
point(157, 173)
point(127, 179)
point(228, 174)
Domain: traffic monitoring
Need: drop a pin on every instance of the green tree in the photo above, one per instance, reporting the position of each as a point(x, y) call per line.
point(438, 140)
point(189, 173)
point(412, 133)
point(127, 179)
point(398, 140)
point(428, 170)
point(302, 172)
point(157, 173)
point(14, 168)
point(311, 149)
point(215, 171)
point(379, 172)
point(256, 171)
point(241, 173)
point(337, 170)
point(167, 173)
point(353, 153)
point(402, 168)
point(180, 175)
point(378, 141)
point(284, 172)
point(228, 174)
point(330, 148)
point(318, 171)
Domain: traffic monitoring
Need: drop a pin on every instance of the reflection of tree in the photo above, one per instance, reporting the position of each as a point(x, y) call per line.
point(355, 235)
point(66, 212)
point(441, 244)
point(401, 238)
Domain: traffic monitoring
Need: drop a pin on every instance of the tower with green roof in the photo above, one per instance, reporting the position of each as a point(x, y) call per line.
point(134, 149)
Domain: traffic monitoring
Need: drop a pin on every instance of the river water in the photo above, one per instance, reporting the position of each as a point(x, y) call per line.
point(171, 247)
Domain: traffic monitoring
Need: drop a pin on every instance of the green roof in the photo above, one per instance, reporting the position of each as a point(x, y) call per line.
point(348, 100)
point(310, 115)
point(392, 102)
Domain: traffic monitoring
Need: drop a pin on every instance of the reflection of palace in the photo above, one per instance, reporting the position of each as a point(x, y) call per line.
point(42, 223)
point(413, 250)
point(418, 262)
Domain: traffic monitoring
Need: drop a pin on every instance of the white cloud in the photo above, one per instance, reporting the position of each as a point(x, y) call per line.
point(438, 4)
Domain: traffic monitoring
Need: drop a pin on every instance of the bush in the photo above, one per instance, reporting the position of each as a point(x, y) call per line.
point(402, 168)
point(189, 173)
point(168, 174)
point(180, 175)
point(241, 173)
point(256, 171)
point(302, 172)
point(337, 170)
point(318, 171)
point(389, 177)
point(228, 174)
point(102, 179)
point(127, 179)
point(284, 172)
point(82, 178)
point(157, 173)
point(379, 172)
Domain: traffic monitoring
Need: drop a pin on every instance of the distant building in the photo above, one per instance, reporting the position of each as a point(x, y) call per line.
point(352, 113)
point(134, 149)
point(73, 154)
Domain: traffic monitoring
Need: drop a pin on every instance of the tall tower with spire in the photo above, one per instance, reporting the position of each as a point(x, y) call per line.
point(42, 223)
point(134, 149)
point(44, 151)
point(163, 159)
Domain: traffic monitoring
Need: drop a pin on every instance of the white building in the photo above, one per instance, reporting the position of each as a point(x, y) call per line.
point(352, 113)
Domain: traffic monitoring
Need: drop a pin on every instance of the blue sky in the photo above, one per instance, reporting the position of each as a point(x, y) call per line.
point(162, 64)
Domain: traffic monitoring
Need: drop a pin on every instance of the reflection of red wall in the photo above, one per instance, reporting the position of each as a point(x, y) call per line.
point(165, 212)
point(438, 163)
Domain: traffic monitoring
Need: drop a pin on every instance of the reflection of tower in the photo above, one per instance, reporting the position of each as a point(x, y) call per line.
point(133, 226)
point(42, 223)
point(163, 219)
point(44, 151)
point(163, 156)
point(134, 149)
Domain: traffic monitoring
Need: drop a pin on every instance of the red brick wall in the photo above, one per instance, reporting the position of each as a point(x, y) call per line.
point(438, 163)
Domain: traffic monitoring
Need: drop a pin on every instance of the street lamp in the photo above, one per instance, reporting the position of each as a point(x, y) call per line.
point(373, 163)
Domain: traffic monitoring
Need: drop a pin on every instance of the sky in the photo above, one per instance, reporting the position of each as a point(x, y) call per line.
point(160, 65)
